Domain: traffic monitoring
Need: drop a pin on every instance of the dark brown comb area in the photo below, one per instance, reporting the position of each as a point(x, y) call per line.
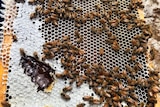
point(39, 72)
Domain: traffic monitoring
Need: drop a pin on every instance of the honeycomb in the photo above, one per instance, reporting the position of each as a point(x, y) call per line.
point(32, 34)
point(9, 13)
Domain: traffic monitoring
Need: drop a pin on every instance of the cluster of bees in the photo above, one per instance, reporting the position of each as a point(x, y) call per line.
point(66, 10)
point(103, 82)
point(106, 84)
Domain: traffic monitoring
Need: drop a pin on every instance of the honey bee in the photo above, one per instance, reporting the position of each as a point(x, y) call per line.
point(101, 51)
point(139, 50)
point(94, 13)
point(85, 65)
point(65, 38)
point(152, 54)
point(114, 22)
point(104, 84)
point(73, 51)
point(105, 27)
point(138, 66)
point(71, 81)
point(88, 72)
point(39, 9)
point(152, 100)
point(113, 87)
point(55, 43)
point(98, 6)
point(42, 1)
point(47, 20)
point(65, 96)
point(83, 20)
point(134, 96)
point(32, 15)
point(79, 83)
point(130, 69)
point(55, 49)
point(81, 52)
point(59, 75)
point(99, 30)
point(72, 58)
point(55, 22)
point(99, 81)
point(31, 1)
point(127, 21)
point(131, 88)
point(87, 98)
point(132, 15)
point(123, 93)
point(54, 17)
point(35, 54)
point(109, 34)
point(107, 14)
point(78, 9)
point(142, 104)
point(156, 89)
point(133, 58)
point(109, 41)
point(81, 105)
point(101, 76)
point(135, 42)
point(70, 15)
point(81, 60)
point(131, 101)
point(127, 50)
point(22, 52)
point(93, 29)
point(154, 72)
point(70, 8)
point(113, 37)
point(116, 98)
point(73, 15)
point(79, 40)
point(150, 93)
point(115, 3)
point(95, 101)
point(142, 82)
point(66, 89)
point(147, 31)
point(130, 26)
point(102, 21)
point(115, 46)
point(48, 53)
point(66, 1)
point(77, 25)
point(106, 104)
point(116, 104)
point(124, 74)
point(43, 58)
point(76, 34)
point(14, 37)
point(50, 3)
point(46, 12)
point(115, 69)
point(84, 77)
point(150, 104)
point(68, 64)
point(106, 94)
point(123, 15)
point(5, 104)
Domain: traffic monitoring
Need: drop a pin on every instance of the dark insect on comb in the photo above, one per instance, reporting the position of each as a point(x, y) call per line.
point(5, 104)
point(41, 73)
